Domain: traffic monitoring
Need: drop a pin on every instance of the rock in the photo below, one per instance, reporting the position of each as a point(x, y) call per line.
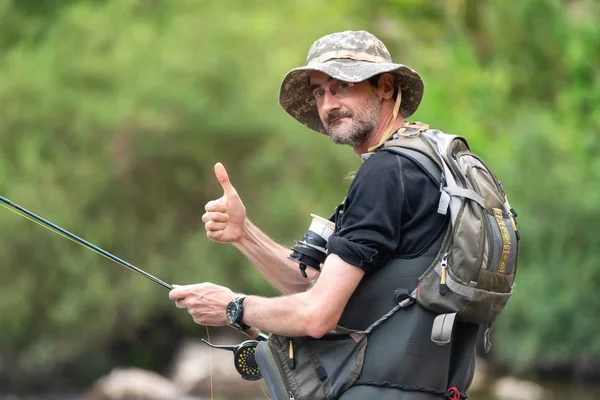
point(191, 371)
point(584, 369)
point(132, 384)
point(509, 388)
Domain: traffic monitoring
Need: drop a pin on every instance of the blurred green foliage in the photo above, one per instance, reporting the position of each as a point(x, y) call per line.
point(113, 113)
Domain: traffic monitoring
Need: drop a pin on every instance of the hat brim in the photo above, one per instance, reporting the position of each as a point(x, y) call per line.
point(295, 87)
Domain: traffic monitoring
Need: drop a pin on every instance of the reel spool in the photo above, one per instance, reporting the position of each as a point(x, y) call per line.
point(243, 358)
point(311, 251)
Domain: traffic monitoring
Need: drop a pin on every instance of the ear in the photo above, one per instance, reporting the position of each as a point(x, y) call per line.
point(385, 86)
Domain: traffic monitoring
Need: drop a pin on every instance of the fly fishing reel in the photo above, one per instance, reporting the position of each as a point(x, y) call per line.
point(243, 358)
point(311, 251)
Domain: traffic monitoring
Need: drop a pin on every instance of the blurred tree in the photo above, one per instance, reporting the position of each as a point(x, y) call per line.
point(113, 113)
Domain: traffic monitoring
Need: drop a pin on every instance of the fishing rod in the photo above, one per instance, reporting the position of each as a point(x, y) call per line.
point(243, 353)
point(57, 229)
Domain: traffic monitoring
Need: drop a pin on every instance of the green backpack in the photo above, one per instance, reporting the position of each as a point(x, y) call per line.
point(473, 275)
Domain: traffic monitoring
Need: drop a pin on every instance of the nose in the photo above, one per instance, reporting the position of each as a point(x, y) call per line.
point(330, 103)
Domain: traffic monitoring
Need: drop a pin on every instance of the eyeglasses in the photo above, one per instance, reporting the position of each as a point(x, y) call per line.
point(340, 90)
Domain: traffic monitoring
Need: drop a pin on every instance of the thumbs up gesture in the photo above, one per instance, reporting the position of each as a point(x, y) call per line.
point(224, 218)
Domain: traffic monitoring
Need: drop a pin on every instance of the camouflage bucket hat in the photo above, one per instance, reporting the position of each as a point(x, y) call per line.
point(350, 56)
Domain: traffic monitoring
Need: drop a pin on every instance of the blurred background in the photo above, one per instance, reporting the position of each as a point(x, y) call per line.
point(114, 112)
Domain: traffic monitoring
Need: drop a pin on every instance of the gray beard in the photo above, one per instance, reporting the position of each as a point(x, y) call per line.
point(362, 124)
point(356, 134)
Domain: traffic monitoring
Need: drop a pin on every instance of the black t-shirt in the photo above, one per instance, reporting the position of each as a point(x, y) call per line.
point(390, 211)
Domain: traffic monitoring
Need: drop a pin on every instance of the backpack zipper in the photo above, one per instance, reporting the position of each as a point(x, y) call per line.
point(444, 265)
point(490, 242)
point(489, 171)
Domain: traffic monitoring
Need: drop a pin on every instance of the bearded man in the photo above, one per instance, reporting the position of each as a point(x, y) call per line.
point(387, 232)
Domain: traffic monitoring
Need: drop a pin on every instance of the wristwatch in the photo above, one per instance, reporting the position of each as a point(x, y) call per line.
point(235, 313)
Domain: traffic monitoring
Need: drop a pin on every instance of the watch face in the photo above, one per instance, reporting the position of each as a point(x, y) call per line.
point(232, 312)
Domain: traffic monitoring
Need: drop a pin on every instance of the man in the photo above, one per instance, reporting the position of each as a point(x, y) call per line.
point(352, 91)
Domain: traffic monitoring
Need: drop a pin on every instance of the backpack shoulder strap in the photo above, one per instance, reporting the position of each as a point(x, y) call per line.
point(431, 169)
point(409, 142)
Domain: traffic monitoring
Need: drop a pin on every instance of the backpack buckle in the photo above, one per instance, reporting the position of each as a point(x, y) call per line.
point(441, 332)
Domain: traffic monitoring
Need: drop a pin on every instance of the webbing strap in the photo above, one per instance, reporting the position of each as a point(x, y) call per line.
point(441, 333)
point(467, 193)
point(432, 170)
point(446, 201)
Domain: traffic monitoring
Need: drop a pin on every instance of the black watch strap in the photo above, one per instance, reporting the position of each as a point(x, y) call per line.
point(238, 324)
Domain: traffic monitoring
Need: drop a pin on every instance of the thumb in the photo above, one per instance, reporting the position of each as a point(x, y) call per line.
point(223, 178)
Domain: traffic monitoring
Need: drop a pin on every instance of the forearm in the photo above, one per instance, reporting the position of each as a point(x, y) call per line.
point(271, 259)
point(311, 313)
point(289, 315)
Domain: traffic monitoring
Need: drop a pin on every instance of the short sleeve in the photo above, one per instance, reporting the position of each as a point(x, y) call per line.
point(369, 223)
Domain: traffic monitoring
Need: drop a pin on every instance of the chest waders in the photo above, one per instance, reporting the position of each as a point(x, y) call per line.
point(382, 347)
point(401, 361)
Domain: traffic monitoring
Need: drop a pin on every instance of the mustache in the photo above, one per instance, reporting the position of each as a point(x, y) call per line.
point(337, 114)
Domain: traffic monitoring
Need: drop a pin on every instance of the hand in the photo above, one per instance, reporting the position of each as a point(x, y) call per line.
point(224, 218)
point(206, 302)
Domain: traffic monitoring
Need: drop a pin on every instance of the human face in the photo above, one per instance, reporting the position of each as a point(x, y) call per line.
point(350, 113)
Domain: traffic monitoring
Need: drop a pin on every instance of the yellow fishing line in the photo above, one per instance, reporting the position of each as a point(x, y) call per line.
point(210, 363)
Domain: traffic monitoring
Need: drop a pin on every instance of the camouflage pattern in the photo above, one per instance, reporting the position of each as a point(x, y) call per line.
point(351, 56)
